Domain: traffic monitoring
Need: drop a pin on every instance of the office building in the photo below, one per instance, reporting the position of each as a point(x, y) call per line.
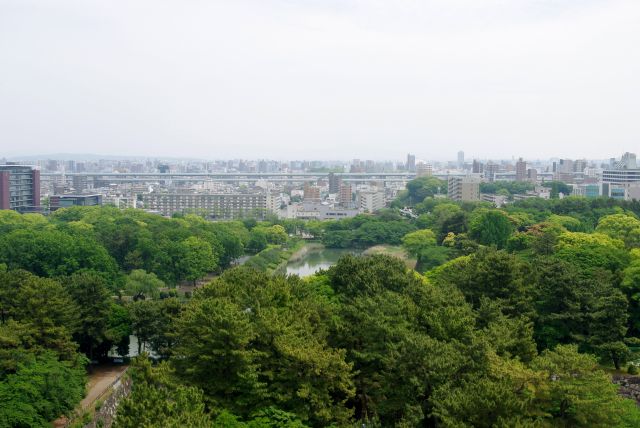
point(334, 183)
point(490, 171)
point(477, 167)
point(19, 188)
point(521, 170)
point(580, 165)
point(464, 188)
point(622, 181)
point(460, 159)
point(64, 201)
point(411, 163)
point(587, 190)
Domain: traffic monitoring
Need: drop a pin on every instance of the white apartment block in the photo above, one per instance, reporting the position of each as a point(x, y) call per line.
point(222, 206)
point(464, 188)
point(371, 200)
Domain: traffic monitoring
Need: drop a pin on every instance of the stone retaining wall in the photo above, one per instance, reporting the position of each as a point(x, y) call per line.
point(105, 415)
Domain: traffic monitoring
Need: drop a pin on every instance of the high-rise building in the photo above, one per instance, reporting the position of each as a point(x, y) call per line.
point(19, 188)
point(369, 166)
point(477, 167)
point(460, 159)
point(334, 183)
point(311, 193)
point(490, 170)
point(580, 165)
point(424, 170)
point(627, 161)
point(532, 175)
point(464, 188)
point(563, 166)
point(344, 198)
point(521, 170)
point(411, 163)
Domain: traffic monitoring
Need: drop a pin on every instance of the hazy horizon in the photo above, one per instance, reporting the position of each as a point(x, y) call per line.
point(320, 79)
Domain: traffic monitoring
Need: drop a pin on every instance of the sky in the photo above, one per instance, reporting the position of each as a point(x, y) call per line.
point(320, 79)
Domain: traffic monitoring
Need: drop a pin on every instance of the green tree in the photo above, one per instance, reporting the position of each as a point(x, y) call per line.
point(579, 393)
point(142, 285)
point(41, 390)
point(424, 187)
point(396, 326)
point(490, 227)
point(582, 309)
point(168, 312)
point(621, 226)
point(557, 187)
point(119, 327)
point(144, 318)
point(156, 400)
point(492, 274)
point(53, 253)
point(197, 258)
point(43, 307)
point(252, 341)
point(558, 388)
point(257, 241)
point(592, 251)
point(89, 291)
point(416, 242)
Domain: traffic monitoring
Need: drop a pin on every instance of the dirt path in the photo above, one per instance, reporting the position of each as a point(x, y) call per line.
point(99, 381)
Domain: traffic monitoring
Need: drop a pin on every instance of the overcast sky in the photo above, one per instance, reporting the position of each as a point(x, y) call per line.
point(326, 79)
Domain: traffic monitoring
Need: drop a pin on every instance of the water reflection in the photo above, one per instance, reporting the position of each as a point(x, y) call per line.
point(317, 259)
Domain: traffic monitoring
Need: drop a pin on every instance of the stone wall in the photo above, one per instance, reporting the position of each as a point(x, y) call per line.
point(629, 386)
point(104, 416)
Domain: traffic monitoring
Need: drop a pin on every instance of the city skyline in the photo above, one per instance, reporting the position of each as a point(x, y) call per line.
point(398, 158)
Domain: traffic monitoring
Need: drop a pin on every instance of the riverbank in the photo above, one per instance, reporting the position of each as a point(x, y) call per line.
point(393, 251)
point(303, 258)
point(301, 253)
point(274, 258)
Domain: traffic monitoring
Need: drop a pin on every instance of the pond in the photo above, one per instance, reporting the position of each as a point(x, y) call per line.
point(316, 259)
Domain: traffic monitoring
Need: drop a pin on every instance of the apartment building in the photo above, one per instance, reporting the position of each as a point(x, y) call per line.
point(464, 188)
point(220, 206)
point(371, 200)
point(19, 188)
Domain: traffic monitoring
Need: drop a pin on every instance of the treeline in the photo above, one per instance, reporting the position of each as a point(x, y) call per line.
point(369, 342)
point(364, 231)
point(110, 242)
point(506, 188)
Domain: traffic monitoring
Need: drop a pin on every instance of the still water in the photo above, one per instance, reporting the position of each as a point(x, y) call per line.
point(317, 259)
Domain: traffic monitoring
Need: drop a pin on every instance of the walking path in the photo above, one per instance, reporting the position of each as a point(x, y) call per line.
point(100, 380)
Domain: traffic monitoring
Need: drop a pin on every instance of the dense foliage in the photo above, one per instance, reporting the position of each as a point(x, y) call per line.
point(510, 318)
point(62, 283)
point(370, 340)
